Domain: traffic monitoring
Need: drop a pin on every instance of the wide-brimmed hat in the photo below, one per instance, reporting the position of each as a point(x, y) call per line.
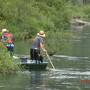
point(41, 34)
point(4, 30)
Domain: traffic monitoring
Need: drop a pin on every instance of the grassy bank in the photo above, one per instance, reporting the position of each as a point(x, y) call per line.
point(7, 65)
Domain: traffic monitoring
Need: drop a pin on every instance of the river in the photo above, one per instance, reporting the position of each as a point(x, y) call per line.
point(72, 71)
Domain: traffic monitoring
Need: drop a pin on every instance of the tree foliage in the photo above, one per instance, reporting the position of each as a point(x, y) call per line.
point(27, 17)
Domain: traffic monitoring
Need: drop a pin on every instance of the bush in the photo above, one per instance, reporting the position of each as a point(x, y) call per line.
point(7, 64)
point(30, 16)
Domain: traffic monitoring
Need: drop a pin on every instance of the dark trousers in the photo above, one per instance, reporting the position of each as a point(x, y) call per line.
point(10, 48)
point(35, 55)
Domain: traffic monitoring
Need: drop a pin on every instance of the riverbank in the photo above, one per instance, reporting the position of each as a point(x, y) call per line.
point(79, 22)
point(7, 65)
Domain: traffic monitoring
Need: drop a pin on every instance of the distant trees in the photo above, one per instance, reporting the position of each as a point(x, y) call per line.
point(80, 2)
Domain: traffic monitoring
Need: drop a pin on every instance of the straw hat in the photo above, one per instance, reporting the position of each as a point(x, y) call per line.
point(41, 34)
point(4, 30)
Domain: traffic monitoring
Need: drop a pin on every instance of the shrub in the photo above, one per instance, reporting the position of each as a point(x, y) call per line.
point(7, 64)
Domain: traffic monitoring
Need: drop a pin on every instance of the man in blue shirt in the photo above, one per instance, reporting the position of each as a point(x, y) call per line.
point(37, 46)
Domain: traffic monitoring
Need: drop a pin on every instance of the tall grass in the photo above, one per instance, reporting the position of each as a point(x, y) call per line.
point(57, 42)
point(7, 64)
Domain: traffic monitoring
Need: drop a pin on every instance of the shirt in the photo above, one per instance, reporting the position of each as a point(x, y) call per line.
point(36, 42)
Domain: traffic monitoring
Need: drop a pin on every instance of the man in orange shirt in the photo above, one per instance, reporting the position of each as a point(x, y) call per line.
point(7, 40)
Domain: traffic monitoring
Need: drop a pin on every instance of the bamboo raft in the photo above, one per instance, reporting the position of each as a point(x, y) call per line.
point(32, 65)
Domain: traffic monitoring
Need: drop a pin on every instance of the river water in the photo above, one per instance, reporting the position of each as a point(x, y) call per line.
point(72, 71)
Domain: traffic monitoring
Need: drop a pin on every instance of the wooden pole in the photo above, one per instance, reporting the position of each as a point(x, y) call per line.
point(50, 61)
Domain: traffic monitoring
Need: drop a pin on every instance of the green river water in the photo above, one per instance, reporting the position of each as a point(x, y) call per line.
point(72, 71)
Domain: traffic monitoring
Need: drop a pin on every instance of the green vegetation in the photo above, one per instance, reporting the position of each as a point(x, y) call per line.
point(7, 64)
point(25, 18)
point(79, 9)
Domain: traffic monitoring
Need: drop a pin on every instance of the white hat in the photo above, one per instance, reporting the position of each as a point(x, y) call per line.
point(4, 30)
point(41, 34)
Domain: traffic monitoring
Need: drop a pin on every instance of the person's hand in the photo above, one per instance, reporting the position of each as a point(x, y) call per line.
point(45, 50)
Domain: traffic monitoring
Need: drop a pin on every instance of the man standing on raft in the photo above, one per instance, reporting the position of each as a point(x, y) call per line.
point(37, 47)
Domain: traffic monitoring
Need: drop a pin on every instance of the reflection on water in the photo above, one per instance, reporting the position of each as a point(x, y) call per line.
point(64, 79)
point(36, 80)
point(72, 71)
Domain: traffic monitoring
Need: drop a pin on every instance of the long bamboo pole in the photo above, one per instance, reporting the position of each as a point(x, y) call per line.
point(50, 60)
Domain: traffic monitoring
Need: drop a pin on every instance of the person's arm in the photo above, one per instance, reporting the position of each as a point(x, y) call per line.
point(42, 47)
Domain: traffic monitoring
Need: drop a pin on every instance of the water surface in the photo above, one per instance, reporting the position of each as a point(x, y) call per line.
point(72, 71)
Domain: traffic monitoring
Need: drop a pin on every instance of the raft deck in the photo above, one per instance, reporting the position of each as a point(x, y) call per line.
point(30, 65)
